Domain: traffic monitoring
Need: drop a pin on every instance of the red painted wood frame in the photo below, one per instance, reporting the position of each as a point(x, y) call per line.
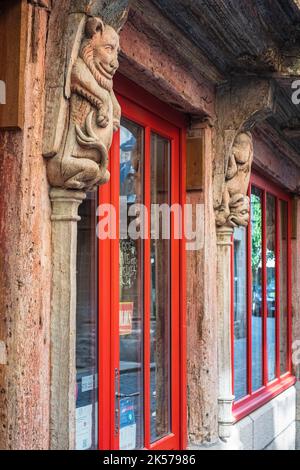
point(153, 115)
point(270, 389)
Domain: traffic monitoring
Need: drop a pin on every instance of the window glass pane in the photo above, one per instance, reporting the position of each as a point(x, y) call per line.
point(240, 312)
point(271, 285)
point(131, 291)
point(160, 295)
point(86, 327)
point(283, 239)
point(257, 302)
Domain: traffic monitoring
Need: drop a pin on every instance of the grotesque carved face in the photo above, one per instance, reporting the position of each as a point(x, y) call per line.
point(221, 214)
point(239, 211)
point(106, 49)
point(101, 47)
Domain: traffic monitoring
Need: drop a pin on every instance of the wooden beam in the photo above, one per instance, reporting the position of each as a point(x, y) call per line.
point(13, 40)
point(194, 163)
point(292, 133)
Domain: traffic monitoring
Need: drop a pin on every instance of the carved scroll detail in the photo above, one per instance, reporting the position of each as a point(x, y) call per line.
point(93, 112)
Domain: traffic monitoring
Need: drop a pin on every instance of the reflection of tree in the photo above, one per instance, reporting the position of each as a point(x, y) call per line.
point(270, 227)
point(270, 255)
point(256, 227)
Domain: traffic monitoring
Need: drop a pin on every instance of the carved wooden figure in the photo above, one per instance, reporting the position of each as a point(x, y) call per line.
point(94, 113)
point(235, 207)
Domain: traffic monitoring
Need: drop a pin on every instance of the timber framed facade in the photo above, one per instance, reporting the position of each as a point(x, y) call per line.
point(145, 342)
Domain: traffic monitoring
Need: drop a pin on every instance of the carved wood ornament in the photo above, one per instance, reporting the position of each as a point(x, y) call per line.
point(89, 112)
point(235, 205)
point(80, 117)
point(241, 104)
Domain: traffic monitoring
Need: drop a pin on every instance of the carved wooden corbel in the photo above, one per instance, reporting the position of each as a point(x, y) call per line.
point(78, 150)
point(81, 109)
point(241, 104)
point(81, 115)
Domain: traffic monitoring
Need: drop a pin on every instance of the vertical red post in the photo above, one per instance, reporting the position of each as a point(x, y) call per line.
point(104, 328)
point(277, 286)
point(289, 284)
point(232, 294)
point(264, 289)
point(115, 296)
point(147, 288)
point(249, 302)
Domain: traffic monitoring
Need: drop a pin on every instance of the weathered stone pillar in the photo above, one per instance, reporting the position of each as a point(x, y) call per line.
point(64, 219)
point(240, 105)
point(225, 398)
point(232, 212)
point(82, 114)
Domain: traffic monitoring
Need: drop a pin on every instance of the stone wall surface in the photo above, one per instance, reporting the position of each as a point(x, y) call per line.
point(25, 273)
point(270, 427)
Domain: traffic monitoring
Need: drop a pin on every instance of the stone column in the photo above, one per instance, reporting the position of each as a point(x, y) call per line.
point(240, 105)
point(225, 398)
point(81, 116)
point(64, 219)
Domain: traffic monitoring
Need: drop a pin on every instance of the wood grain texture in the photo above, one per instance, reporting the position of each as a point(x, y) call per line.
point(25, 260)
point(236, 34)
point(13, 39)
point(194, 164)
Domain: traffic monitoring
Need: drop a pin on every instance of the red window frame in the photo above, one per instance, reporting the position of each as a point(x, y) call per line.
point(146, 110)
point(269, 390)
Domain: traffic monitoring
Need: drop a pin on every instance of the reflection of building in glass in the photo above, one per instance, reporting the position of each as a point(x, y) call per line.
point(240, 312)
point(127, 171)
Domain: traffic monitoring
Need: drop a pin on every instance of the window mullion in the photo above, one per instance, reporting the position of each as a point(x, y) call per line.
point(277, 286)
point(264, 290)
point(289, 288)
point(147, 287)
point(115, 295)
point(249, 306)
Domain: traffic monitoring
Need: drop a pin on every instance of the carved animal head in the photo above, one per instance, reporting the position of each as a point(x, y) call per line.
point(239, 206)
point(100, 48)
point(242, 148)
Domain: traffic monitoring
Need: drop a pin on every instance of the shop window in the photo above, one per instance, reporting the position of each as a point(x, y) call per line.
point(130, 340)
point(240, 312)
point(131, 289)
point(86, 327)
point(147, 405)
point(261, 313)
